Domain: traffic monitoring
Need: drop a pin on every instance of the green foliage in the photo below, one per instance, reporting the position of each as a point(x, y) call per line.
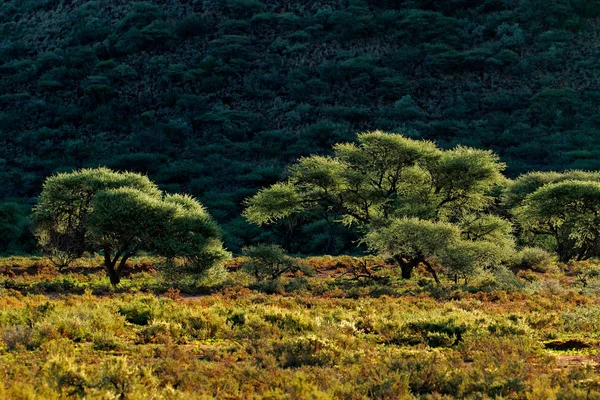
point(388, 177)
point(439, 334)
point(309, 350)
point(141, 15)
point(14, 228)
point(456, 344)
point(516, 191)
point(557, 210)
point(438, 245)
point(267, 262)
point(119, 214)
point(568, 212)
point(385, 175)
point(533, 258)
point(235, 86)
point(60, 218)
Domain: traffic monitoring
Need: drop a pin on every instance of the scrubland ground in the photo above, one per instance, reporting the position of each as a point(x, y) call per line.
point(322, 335)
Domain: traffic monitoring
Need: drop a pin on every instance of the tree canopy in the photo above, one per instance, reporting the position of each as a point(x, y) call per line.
point(383, 176)
point(438, 245)
point(569, 213)
point(120, 214)
point(411, 200)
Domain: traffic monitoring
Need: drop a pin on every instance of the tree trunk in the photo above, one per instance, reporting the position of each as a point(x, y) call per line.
point(432, 272)
point(406, 267)
point(114, 274)
point(123, 264)
point(406, 271)
point(566, 253)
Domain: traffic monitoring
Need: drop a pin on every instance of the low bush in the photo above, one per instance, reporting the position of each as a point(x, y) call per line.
point(535, 259)
point(267, 262)
point(308, 350)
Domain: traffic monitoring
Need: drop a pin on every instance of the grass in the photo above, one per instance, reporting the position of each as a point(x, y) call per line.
point(313, 337)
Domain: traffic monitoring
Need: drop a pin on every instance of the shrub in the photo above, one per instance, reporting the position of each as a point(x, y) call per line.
point(505, 279)
point(162, 332)
point(308, 350)
point(67, 375)
point(139, 313)
point(267, 261)
point(534, 258)
point(18, 337)
point(289, 322)
point(203, 325)
point(439, 334)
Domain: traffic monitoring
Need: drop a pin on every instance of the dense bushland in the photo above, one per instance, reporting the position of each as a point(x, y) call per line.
point(214, 98)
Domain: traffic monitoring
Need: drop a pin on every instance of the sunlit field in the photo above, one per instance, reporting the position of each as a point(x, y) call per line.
point(331, 331)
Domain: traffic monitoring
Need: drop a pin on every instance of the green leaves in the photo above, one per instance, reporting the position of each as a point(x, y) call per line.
point(399, 191)
point(516, 191)
point(463, 177)
point(118, 214)
point(414, 238)
point(60, 217)
point(560, 208)
point(382, 176)
point(441, 246)
point(570, 212)
point(267, 261)
point(191, 234)
point(277, 202)
point(127, 219)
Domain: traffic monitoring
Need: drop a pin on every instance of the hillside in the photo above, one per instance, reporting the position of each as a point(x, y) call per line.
point(214, 98)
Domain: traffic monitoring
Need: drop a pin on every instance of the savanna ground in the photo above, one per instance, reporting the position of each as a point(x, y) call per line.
point(319, 334)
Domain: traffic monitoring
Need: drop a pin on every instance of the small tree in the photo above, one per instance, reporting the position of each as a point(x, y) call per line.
point(120, 214)
point(439, 246)
point(466, 258)
point(267, 261)
point(124, 221)
point(412, 242)
point(568, 212)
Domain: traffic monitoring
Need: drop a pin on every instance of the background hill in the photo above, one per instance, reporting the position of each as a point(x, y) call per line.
point(215, 97)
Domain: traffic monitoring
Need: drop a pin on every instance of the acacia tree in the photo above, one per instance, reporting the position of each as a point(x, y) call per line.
point(568, 212)
point(439, 246)
point(515, 192)
point(122, 222)
point(65, 202)
point(267, 261)
point(413, 241)
point(120, 214)
point(543, 218)
point(385, 177)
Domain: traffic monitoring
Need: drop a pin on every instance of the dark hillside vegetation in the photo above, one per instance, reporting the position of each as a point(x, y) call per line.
point(213, 98)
